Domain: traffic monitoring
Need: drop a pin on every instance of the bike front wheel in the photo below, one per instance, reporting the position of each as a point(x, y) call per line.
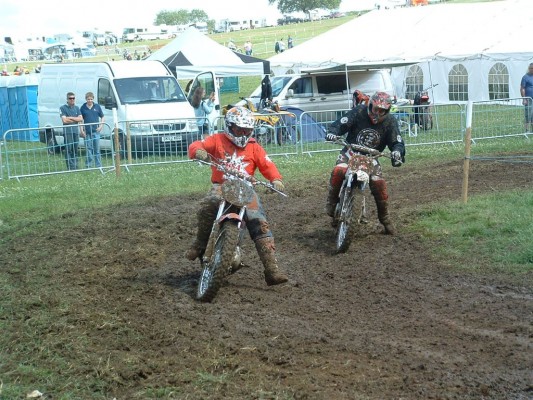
point(219, 265)
point(348, 221)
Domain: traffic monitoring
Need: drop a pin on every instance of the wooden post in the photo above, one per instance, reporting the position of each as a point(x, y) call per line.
point(468, 143)
point(117, 144)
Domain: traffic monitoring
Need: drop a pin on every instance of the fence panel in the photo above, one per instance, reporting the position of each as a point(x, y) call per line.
point(30, 158)
point(498, 118)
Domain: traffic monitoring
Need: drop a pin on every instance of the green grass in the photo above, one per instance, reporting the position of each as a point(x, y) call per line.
point(490, 232)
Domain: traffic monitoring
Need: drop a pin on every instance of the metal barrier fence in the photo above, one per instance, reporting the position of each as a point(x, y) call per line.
point(155, 142)
point(499, 118)
point(22, 158)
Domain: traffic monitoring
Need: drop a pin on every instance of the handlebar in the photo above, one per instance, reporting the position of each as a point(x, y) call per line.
point(358, 147)
point(239, 175)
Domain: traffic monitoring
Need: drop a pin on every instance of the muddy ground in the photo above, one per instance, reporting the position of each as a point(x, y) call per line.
point(384, 321)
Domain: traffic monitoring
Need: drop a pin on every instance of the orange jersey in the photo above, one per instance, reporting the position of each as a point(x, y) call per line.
point(246, 160)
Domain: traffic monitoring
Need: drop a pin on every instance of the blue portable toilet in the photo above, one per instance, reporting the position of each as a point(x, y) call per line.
point(5, 113)
point(22, 96)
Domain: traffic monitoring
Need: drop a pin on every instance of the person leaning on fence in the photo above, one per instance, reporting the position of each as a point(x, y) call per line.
point(202, 108)
point(93, 118)
point(526, 91)
point(71, 117)
point(372, 126)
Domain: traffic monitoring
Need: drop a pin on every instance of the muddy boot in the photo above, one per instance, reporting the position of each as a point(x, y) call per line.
point(384, 217)
point(379, 191)
point(266, 250)
point(335, 183)
point(205, 223)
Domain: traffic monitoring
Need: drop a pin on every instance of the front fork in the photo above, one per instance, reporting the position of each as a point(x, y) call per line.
point(350, 187)
point(223, 215)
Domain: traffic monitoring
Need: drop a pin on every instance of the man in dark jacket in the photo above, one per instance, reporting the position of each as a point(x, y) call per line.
point(371, 126)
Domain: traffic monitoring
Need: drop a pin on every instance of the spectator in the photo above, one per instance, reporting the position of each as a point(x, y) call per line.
point(202, 108)
point(289, 42)
point(37, 69)
point(526, 91)
point(71, 117)
point(276, 47)
point(93, 118)
point(248, 47)
point(281, 46)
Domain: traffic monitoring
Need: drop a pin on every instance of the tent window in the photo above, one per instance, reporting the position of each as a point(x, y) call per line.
point(498, 82)
point(414, 81)
point(458, 83)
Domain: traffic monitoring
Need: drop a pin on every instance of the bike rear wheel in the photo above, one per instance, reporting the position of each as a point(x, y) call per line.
point(347, 223)
point(219, 265)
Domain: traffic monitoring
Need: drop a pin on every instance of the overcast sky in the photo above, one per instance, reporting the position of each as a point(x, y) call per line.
point(22, 18)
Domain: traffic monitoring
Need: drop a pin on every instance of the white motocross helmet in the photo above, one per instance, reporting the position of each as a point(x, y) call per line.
point(239, 125)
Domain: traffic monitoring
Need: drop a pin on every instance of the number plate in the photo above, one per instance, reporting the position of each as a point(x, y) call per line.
point(173, 138)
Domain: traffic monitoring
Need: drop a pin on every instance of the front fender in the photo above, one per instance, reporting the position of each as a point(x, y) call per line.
point(228, 216)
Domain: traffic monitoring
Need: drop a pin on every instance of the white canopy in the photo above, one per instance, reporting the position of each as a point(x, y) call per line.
point(437, 36)
point(193, 52)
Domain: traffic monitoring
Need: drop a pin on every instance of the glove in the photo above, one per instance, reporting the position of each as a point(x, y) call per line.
point(396, 158)
point(330, 137)
point(278, 185)
point(202, 155)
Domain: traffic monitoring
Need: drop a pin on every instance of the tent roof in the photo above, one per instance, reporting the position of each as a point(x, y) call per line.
point(193, 52)
point(402, 36)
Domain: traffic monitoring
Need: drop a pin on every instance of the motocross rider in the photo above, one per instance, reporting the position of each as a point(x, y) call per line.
point(235, 145)
point(371, 126)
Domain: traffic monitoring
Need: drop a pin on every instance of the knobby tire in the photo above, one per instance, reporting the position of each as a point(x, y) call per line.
point(219, 265)
point(348, 222)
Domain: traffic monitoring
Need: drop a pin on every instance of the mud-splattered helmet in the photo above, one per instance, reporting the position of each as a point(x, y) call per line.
point(379, 106)
point(239, 125)
point(359, 97)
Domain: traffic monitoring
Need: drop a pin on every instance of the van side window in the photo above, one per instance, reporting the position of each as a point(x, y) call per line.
point(104, 90)
point(328, 84)
point(302, 87)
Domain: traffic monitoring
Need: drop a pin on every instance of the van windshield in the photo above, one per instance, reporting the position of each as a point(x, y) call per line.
point(277, 82)
point(149, 90)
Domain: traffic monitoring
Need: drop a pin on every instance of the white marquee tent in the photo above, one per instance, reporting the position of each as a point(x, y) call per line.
point(436, 38)
point(193, 52)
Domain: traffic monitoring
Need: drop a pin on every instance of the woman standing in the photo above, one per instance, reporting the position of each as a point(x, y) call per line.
point(202, 108)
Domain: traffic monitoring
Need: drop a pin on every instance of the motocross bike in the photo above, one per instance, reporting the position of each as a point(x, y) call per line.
point(423, 111)
point(351, 210)
point(223, 254)
point(269, 125)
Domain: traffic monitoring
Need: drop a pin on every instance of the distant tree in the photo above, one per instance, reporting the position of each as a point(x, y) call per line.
point(288, 6)
point(198, 16)
point(180, 17)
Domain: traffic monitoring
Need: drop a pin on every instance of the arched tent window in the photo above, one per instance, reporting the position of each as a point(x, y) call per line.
point(458, 83)
point(414, 81)
point(499, 82)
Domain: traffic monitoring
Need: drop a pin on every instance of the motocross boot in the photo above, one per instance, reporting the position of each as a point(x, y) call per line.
point(379, 191)
point(335, 183)
point(205, 223)
point(266, 250)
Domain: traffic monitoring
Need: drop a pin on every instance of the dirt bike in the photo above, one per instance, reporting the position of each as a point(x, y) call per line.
point(351, 210)
point(423, 111)
point(223, 254)
point(269, 124)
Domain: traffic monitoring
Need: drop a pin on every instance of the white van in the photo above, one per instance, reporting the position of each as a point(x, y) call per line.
point(325, 91)
point(144, 93)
